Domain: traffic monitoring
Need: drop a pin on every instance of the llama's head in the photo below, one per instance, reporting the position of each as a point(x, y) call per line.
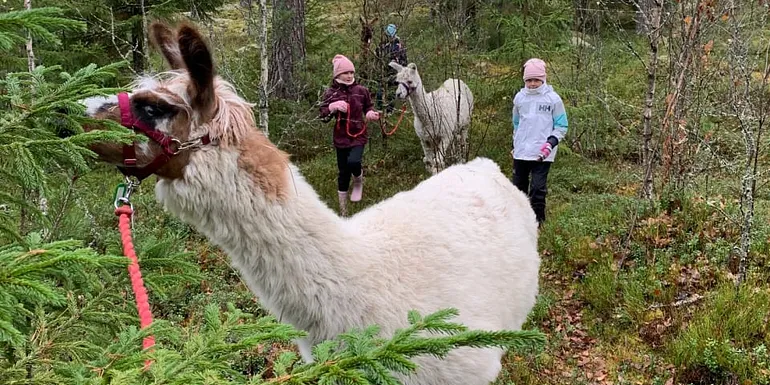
point(408, 79)
point(367, 30)
point(180, 110)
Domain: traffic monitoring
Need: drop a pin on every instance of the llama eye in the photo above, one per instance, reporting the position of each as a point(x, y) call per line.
point(152, 111)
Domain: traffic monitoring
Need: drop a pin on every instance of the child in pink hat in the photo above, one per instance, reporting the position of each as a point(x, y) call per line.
point(350, 104)
point(539, 123)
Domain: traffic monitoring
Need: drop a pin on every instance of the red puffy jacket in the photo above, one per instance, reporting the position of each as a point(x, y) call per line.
point(348, 132)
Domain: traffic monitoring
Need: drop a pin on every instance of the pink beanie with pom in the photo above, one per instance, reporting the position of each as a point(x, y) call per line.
point(534, 69)
point(342, 65)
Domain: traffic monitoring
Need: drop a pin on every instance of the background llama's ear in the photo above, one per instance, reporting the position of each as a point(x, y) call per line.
point(396, 66)
point(163, 38)
point(412, 66)
point(361, 18)
point(200, 65)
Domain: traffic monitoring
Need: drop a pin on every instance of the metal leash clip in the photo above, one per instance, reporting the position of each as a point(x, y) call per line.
point(123, 194)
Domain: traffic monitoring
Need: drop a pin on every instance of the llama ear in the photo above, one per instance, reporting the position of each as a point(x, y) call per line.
point(361, 18)
point(396, 66)
point(371, 22)
point(200, 66)
point(412, 66)
point(162, 37)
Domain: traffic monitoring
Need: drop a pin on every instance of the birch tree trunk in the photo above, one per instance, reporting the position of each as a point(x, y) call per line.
point(741, 101)
point(42, 201)
point(30, 52)
point(264, 81)
point(651, 15)
point(145, 43)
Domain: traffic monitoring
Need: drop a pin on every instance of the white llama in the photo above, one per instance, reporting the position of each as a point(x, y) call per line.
point(441, 117)
point(465, 238)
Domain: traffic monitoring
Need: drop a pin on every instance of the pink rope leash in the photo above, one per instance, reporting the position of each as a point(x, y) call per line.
point(142, 303)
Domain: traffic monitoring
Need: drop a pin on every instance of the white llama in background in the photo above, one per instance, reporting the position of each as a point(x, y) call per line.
point(441, 117)
point(465, 238)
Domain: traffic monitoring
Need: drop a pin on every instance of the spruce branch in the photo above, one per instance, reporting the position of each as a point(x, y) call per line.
point(39, 22)
point(35, 278)
point(361, 357)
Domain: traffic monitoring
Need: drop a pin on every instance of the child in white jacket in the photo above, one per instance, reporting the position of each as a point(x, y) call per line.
point(539, 123)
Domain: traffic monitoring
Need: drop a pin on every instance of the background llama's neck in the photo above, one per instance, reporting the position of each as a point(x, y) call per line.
point(293, 253)
point(421, 102)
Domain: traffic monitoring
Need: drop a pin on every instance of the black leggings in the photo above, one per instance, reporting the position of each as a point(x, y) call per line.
point(348, 163)
point(537, 189)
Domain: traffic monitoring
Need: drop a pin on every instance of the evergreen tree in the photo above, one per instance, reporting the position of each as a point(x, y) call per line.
point(36, 108)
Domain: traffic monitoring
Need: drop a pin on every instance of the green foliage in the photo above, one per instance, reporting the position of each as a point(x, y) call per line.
point(197, 355)
point(87, 333)
point(600, 288)
point(203, 354)
point(40, 277)
point(38, 108)
point(167, 267)
point(38, 22)
point(729, 337)
point(364, 358)
point(525, 28)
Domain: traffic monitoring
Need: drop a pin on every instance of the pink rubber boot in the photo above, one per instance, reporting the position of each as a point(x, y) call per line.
point(358, 188)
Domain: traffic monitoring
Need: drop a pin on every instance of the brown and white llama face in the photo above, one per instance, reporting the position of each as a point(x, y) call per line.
point(408, 79)
point(367, 30)
point(178, 103)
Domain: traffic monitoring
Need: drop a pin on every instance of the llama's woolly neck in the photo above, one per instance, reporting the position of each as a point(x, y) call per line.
point(421, 102)
point(294, 253)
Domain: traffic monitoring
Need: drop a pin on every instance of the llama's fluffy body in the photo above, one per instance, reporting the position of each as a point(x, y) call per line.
point(465, 238)
point(442, 117)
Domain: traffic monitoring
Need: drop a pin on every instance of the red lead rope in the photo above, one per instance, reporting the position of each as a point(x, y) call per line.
point(382, 127)
point(347, 125)
point(393, 131)
point(140, 293)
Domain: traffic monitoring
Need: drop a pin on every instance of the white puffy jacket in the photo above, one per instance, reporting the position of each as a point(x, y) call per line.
point(537, 114)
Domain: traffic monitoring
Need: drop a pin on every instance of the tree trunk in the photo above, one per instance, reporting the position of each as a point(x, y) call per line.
point(645, 8)
point(470, 10)
point(742, 105)
point(247, 5)
point(35, 194)
point(137, 37)
point(652, 21)
point(264, 81)
point(674, 157)
point(288, 45)
point(30, 52)
point(145, 43)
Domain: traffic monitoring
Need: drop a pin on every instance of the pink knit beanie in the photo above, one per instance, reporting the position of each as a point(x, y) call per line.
point(342, 65)
point(534, 69)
